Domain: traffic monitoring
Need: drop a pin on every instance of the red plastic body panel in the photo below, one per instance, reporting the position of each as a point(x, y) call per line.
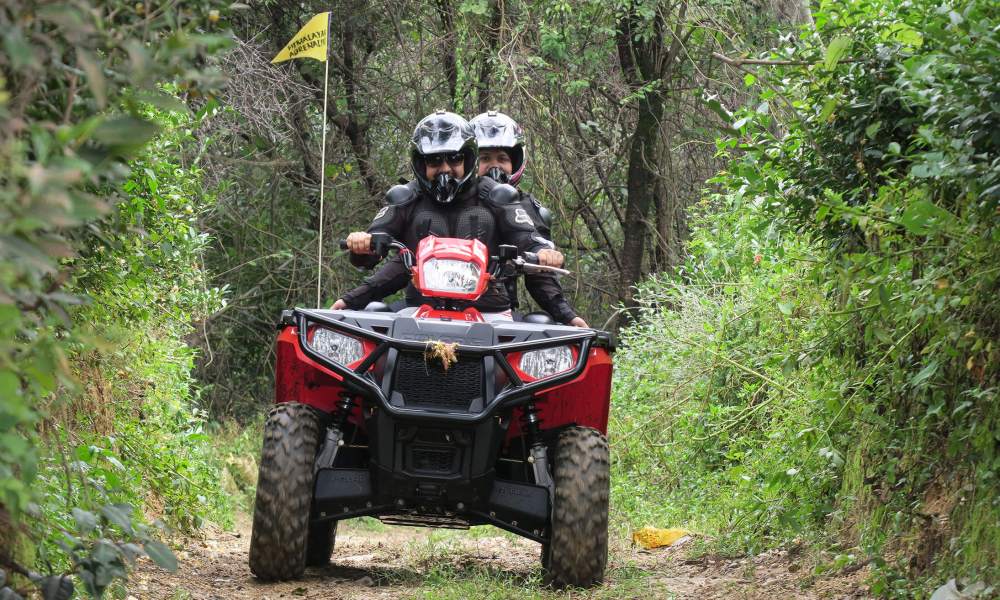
point(583, 401)
point(473, 251)
point(298, 378)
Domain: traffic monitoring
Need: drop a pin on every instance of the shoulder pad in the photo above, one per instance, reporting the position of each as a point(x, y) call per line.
point(544, 220)
point(545, 214)
point(504, 195)
point(400, 195)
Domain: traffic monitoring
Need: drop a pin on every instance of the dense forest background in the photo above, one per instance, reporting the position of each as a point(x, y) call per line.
point(789, 212)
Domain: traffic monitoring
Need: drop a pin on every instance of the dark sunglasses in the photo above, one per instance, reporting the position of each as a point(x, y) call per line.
point(436, 160)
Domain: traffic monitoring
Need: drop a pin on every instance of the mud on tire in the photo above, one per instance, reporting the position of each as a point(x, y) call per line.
point(577, 553)
point(284, 493)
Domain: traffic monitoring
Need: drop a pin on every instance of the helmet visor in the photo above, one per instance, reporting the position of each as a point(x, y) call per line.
point(496, 133)
point(438, 136)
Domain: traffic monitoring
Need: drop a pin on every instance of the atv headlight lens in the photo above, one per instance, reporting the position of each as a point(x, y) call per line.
point(449, 275)
point(547, 362)
point(336, 346)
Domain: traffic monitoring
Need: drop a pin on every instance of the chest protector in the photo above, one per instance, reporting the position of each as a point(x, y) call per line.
point(470, 221)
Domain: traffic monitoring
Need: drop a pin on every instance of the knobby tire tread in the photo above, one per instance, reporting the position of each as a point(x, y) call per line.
point(577, 553)
point(284, 493)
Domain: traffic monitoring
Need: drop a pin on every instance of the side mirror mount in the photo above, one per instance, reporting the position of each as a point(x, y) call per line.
point(380, 243)
point(507, 252)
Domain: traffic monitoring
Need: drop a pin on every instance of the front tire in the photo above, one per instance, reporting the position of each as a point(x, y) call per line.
point(284, 493)
point(577, 553)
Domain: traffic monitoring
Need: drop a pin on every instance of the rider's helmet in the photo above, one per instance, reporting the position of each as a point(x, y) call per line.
point(439, 135)
point(497, 130)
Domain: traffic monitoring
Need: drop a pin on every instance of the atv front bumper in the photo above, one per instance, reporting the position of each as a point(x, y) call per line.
point(434, 434)
point(400, 341)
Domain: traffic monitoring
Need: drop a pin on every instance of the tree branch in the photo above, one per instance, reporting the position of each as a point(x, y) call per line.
point(739, 62)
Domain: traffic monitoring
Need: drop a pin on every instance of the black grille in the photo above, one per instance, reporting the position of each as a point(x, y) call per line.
point(433, 460)
point(424, 383)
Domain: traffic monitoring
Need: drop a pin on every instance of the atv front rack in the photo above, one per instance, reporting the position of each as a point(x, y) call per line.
point(359, 379)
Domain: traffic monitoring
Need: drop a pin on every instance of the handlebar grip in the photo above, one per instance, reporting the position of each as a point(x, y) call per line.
point(381, 244)
point(531, 258)
point(377, 245)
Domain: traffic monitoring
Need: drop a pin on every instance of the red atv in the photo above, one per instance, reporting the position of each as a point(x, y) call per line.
point(437, 419)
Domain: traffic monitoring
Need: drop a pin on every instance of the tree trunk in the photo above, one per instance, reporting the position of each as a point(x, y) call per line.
point(642, 186)
point(647, 53)
point(669, 214)
point(661, 256)
point(492, 33)
point(352, 124)
point(448, 42)
point(795, 12)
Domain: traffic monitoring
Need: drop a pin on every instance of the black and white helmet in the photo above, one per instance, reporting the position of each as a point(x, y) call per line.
point(497, 130)
point(440, 135)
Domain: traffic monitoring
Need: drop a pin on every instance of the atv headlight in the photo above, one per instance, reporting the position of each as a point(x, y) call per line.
point(448, 275)
point(336, 346)
point(547, 362)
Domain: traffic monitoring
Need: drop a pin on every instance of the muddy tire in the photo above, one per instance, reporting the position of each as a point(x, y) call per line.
point(319, 546)
point(577, 553)
point(284, 493)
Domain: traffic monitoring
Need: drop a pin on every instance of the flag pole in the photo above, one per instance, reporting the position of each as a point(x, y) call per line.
point(322, 167)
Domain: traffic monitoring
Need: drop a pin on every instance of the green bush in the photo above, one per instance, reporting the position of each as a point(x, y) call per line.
point(99, 278)
point(722, 388)
point(825, 364)
point(132, 437)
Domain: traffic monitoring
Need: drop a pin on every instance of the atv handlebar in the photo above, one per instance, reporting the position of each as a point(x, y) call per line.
point(382, 243)
point(526, 263)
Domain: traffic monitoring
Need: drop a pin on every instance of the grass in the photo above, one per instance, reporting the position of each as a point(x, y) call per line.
point(446, 563)
point(235, 449)
point(474, 580)
point(368, 524)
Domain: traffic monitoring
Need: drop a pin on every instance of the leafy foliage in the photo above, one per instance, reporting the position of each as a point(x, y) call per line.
point(135, 439)
point(97, 276)
point(830, 347)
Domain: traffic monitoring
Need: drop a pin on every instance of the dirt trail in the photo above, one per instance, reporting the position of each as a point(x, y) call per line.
point(376, 561)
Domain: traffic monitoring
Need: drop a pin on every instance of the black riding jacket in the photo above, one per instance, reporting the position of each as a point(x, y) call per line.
point(494, 216)
point(543, 287)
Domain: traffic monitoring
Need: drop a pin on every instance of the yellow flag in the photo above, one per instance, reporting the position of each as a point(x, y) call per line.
point(309, 42)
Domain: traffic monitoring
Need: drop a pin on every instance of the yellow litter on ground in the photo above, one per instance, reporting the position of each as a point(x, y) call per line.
point(653, 537)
